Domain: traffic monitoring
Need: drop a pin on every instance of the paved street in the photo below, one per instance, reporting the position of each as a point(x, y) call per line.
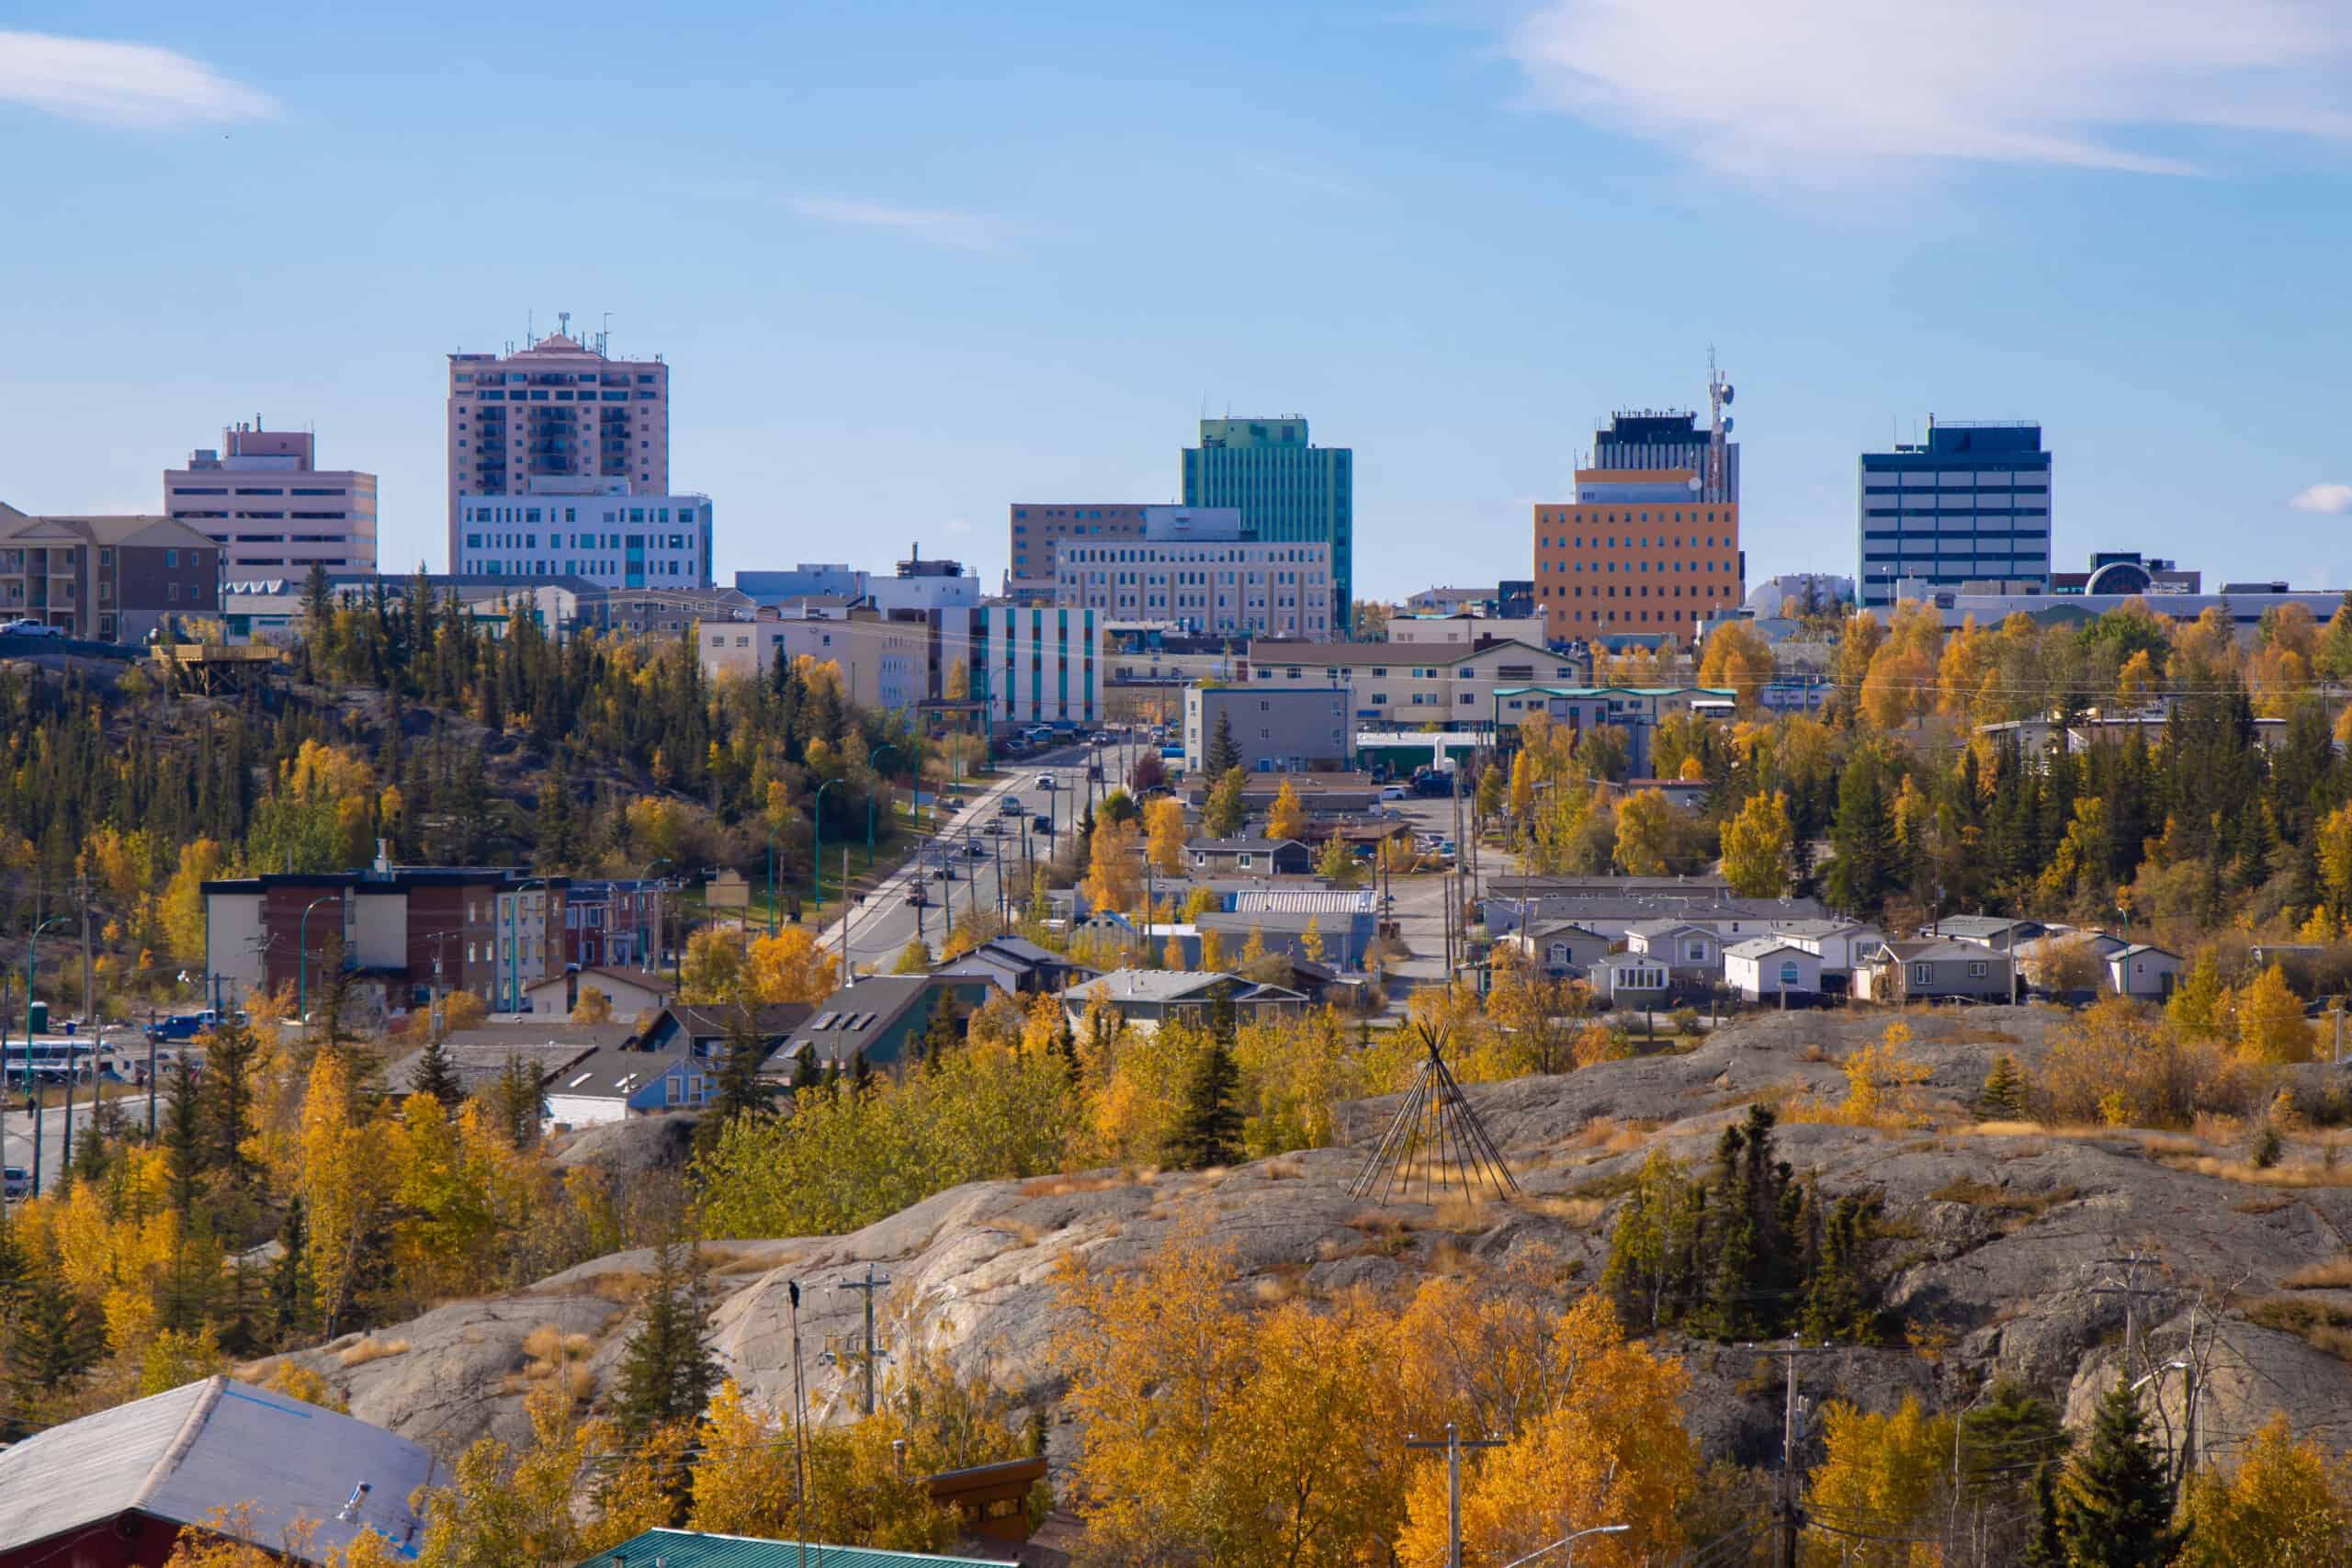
point(882, 922)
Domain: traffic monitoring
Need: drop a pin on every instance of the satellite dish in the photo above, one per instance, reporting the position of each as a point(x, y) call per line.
point(1728, 390)
point(1727, 424)
point(1693, 482)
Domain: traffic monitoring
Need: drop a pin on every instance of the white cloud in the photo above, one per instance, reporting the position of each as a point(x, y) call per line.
point(936, 226)
point(2333, 500)
point(1826, 91)
point(134, 84)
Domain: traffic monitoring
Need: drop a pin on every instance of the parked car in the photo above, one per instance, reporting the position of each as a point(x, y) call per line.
point(15, 1182)
point(1394, 792)
point(1041, 823)
point(30, 628)
point(1104, 738)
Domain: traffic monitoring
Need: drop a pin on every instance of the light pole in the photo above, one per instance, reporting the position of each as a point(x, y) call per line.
point(515, 941)
point(816, 857)
point(303, 959)
point(1569, 1542)
point(32, 946)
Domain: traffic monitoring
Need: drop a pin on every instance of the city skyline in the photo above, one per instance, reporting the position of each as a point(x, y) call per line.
point(1452, 240)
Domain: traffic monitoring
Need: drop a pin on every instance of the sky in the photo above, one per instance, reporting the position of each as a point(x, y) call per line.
point(911, 263)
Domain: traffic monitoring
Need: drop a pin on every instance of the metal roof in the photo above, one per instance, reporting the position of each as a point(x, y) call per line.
point(1304, 901)
point(177, 1456)
point(693, 1548)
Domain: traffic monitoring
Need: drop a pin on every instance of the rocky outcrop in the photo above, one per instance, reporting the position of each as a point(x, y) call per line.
point(2006, 1250)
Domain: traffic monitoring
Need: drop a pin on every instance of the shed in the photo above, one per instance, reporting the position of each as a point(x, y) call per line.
point(2143, 971)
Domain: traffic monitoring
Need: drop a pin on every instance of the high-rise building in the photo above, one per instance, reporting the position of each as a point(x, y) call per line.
point(582, 416)
point(1638, 550)
point(1289, 491)
point(1968, 504)
point(273, 512)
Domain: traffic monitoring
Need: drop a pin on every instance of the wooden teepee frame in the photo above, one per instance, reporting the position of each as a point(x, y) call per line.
point(1436, 1136)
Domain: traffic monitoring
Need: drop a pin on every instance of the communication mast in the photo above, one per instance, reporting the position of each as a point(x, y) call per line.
point(1719, 396)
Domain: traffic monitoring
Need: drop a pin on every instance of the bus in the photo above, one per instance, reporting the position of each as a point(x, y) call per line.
point(52, 1061)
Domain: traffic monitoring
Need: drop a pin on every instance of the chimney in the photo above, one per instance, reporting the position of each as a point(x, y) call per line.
point(383, 857)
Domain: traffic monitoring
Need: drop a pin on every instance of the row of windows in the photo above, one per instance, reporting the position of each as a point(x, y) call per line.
point(1542, 568)
point(1665, 514)
point(1721, 591)
point(565, 397)
point(1565, 541)
point(547, 378)
point(528, 514)
point(581, 542)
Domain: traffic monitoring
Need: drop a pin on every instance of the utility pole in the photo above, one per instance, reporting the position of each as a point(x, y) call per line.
point(2130, 1290)
point(867, 1349)
point(1795, 1419)
point(151, 1072)
point(1454, 1444)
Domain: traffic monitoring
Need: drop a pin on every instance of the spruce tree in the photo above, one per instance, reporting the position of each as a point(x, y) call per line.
point(739, 1091)
point(805, 1072)
point(1223, 753)
point(666, 1370)
point(2043, 1547)
point(53, 1340)
point(944, 1029)
point(437, 1074)
point(1210, 1133)
point(2116, 1508)
point(2003, 1097)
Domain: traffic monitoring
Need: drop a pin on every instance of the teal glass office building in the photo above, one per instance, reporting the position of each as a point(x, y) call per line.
point(1288, 490)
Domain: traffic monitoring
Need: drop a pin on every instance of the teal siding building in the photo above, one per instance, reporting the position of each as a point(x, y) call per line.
point(1288, 490)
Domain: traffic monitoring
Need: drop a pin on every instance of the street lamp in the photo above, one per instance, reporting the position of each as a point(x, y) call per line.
point(2167, 1367)
point(816, 857)
point(1569, 1541)
point(303, 959)
point(32, 945)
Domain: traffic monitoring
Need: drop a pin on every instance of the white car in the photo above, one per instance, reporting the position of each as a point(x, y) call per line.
point(1046, 781)
point(30, 628)
point(1393, 791)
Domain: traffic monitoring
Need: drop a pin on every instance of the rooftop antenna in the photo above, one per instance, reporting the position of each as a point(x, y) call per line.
point(1436, 1136)
point(1719, 397)
point(605, 338)
point(563, 323)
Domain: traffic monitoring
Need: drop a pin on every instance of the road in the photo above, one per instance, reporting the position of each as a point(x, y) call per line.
point(125, 1050)
point(882, 922)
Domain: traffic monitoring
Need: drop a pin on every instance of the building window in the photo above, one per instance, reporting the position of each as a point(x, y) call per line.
point(1976, 969)
point(1923, 974)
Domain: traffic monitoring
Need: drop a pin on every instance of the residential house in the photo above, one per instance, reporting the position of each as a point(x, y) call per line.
point(631, 992)
point(478, 1057)
point(704, 1031)
point(1630, 980)
point(881, 1018)
point(617, 1083)
point(1021, 967)
point(1690, 795)
point(1250, 857)
point(1933, 970)
point(1562, 950)
point(1693, 952)
point(1765, 968)
point(2066, 959)
point(1146, 998)
point(1986, 930)
point(118, 1487)
point(2145, 971)
point(1836, 942)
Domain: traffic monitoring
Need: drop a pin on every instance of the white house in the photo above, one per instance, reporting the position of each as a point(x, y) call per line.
point(2141, 970)
point(1631, 979)
point(613, 1085)
point(1766, 968)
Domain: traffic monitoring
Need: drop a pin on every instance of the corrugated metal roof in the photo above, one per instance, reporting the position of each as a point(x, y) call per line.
point(209, 1445)
point(690, 1549)
point(1304, 901)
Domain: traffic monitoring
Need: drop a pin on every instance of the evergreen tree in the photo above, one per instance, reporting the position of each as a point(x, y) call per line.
point(227, 1087)
point(1223, 753)
point(516, 1102)
point(666, 1370)
point(2116, 1506)
point(739, 1091)
point(944, 1029)
point(2014, 1427)
point(437, 1074)
point(53, 1340)
point(804, 1073)
point(1842, 1285)
point(1863, 838)
point(1210, 1131)
point(2004, 1097)
point(292, 1305)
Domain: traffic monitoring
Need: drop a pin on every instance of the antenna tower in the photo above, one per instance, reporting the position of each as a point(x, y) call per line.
point(1436, 1139)
point(1719, 396)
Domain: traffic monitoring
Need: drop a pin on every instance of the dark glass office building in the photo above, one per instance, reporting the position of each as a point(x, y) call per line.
point(1968, 504)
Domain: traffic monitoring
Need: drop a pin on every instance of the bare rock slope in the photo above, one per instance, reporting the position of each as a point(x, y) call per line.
point(2010, 1244)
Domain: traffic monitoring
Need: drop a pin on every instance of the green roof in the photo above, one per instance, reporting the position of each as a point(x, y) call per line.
point(692, 1549)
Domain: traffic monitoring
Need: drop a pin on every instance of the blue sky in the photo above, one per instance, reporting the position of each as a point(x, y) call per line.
point(913, 263)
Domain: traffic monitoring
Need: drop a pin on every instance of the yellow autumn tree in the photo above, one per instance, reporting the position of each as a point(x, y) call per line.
point(1287, 817)
point(594, 1007)
point(1758, 846)
point(183, 902)
point(2271, 1026)
point(2288, 1505)
point(1737, 656)
point(344, 1178)
point(1603, 1444)
point(1164, 832)
point(1114, 871)
point(712, 970)
point(790, 967)
point(1880, 1476)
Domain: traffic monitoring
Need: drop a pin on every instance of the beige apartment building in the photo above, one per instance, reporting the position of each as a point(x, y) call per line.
point(1413, 683)
point(262, 497)
point(105, 578)
point(558, 408)
point(884, 663)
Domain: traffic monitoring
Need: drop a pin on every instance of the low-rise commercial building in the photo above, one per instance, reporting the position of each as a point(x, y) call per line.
point(594, 528)
point(1198, 568)
point(1289, 731)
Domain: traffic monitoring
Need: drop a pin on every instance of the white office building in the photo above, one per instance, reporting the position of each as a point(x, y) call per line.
point(1197, 568)
point(589, 528)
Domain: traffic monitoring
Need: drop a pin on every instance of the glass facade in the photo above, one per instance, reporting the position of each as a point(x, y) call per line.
point(1971, 504)
point(1286, 488)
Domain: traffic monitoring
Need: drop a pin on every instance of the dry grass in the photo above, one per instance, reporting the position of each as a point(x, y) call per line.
point(623, 1287)
point(2334, 1274)
point(1579, 1213)
point(1278, 1284)
point(1610, 1136)
point(749, 1264)
point(1812, 1051)
point(1462, 1214)
point(2302, 1173)
point(2323, 1327)
point(2007, 1202)
point(1281, 1170)
point(2258, 1207)
point(1068, 1186)
point(371, 1349)
point(1994, 1037)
